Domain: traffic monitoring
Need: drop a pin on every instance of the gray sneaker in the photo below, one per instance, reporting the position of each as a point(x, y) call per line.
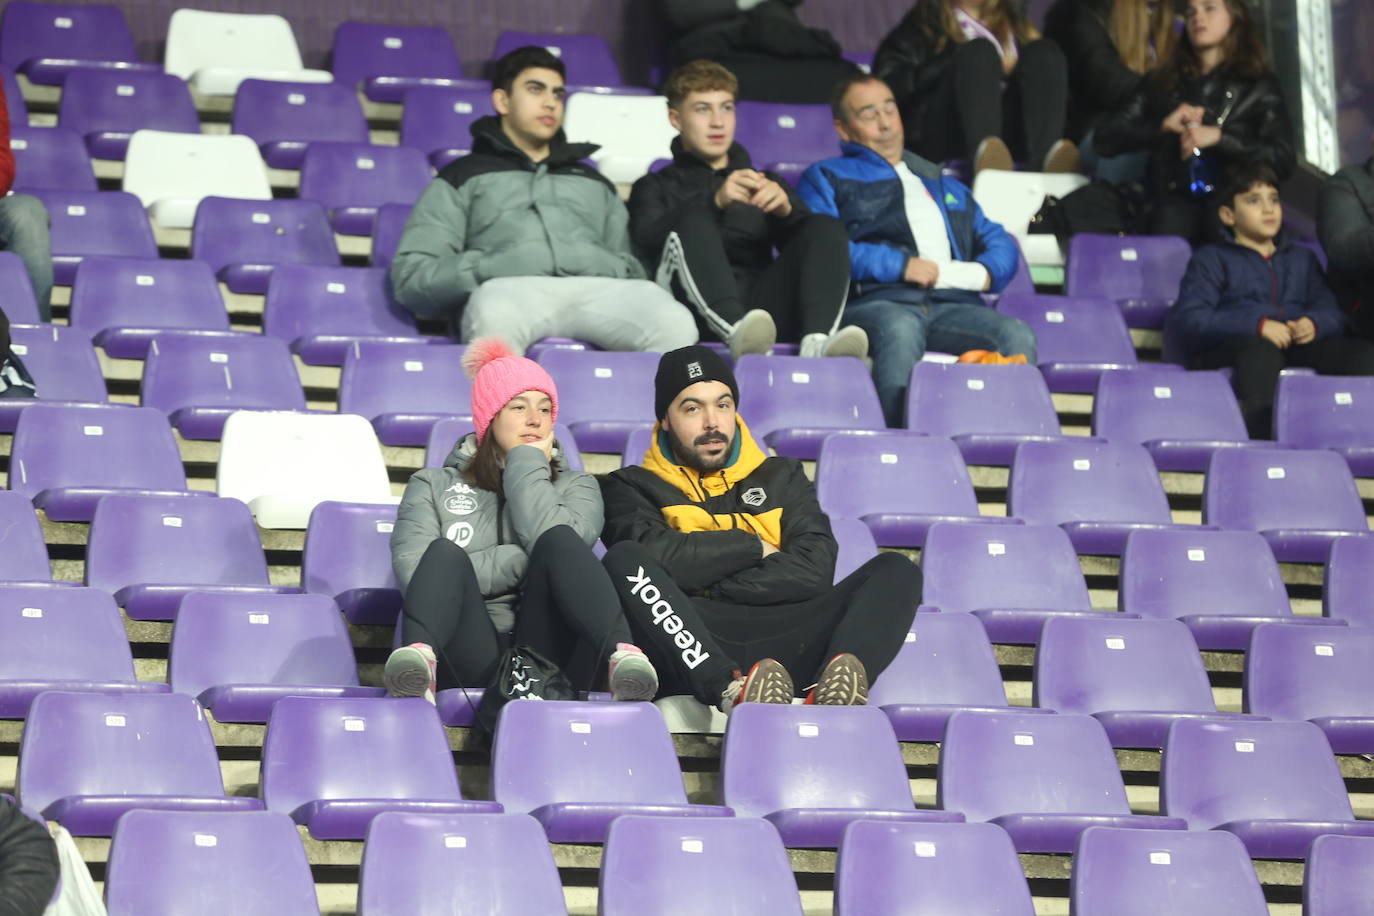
point(632, 675)
point(843, 682)
point(766, 682)
point(754, 333)
point(850, 340)
point(410, 672)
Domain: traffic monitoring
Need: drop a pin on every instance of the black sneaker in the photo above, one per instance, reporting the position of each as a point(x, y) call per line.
point(843, 682)
point(766, 682)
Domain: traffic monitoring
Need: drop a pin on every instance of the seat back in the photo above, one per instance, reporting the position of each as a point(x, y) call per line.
point(347, 555)
point(284, 117)
point(479, 863)
point(404, 378)
point(227, 373)
point(1297, 673)
point(106, 107)
point(340, 748)
point(776, 132)
point(85, 223)
point(1070, 481)
point(266, 232)
point(1214, 773)
point(438, 120)
point(547, 753)
point(783, 756)
point(1262, 489)
point(783, 392)
point(308, 300)
point(1314, 411)
point(993, 764)
point(14, 96)
point(1071, 329)
point(1348, 581)
point(99, 447)
point(133, 293)
point(23, 553)
point(859, 474)
point(650, 860)
point(1332, 884)
point(1126, 268)
point(1177, 573)
point(601, 385)
point(365, 50)
point(50, 158)
point(61, 634)
point(250, 863)
point(21, 305)
point(856, 545)
point(985, 567)
point(362, 176)
point(221, 638)
point(386, 232)
point(30, 31)
point(63, 364)
point(199, 39)
point(174, 173)
point(1087, 666)
point(586, 56)
point(951, 399)
point(445, 435)
point(936, 868)
point(946, 659)
point(1142, 406)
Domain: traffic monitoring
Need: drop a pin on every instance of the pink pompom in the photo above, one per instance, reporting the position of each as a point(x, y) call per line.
point(482, 351)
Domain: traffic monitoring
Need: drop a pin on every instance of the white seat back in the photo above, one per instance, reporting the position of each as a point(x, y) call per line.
point(170, 172)
point(1012, 198)
point(217, 51)
point(633, 131)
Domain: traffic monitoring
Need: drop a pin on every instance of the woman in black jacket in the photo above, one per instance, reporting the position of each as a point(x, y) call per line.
point(28, 863)
point(964, 97)
point(1214, 102)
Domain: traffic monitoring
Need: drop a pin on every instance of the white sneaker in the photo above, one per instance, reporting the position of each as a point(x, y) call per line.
point(850, 340)
point(410, 672)
point(632, 675)
point(754, 333)
point(811, 346)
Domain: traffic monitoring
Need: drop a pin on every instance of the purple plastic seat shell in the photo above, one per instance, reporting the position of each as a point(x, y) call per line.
point(320, 311)
point(1141, 273)
point(587, 57)
point(244, 240)
point(91, 223)
point(438, 121)
point(347, 556)
point(50, 158)
point(795, 403)
point(445, 435)
point(107, 106)
point(284, 118)
point(21, 305)
point(63, 358)
point(986, 410)
point(603, 396)
point(1312, 411)
point(403, 389)
point(1327, 888)
point(1321, 676)
point(23, 553)
point(773, 131)
point(1348, 581)
point(1076, 338)
point(389, 60)
point(48, 41)
point(1180, 417)
point(126, 302)
point(353, 180)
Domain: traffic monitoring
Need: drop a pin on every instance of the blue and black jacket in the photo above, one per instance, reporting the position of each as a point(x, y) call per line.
point(862, 189)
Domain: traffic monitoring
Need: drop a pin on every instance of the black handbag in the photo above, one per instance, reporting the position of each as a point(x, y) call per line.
point(521, 674)
point(1096, 207)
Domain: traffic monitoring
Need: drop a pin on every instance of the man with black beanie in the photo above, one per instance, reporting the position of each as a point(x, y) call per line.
point(724, 561)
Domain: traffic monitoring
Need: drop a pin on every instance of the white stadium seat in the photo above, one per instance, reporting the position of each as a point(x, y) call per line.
point(633, 131)
point(1012, 198)
point(170, 172)
point(214, 52)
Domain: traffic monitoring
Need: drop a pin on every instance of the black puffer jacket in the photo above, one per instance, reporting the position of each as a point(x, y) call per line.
point(907, 61)
point(659, 198)
point(1099, 81)
point(28, 863)
point(1345, 225)
point(1251, 113)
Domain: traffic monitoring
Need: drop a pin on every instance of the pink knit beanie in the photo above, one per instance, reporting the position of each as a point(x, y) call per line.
point(497, 376)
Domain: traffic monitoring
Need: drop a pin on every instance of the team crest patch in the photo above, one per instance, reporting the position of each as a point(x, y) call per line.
point(754, 496)
point(694, 370)
point(461, 504)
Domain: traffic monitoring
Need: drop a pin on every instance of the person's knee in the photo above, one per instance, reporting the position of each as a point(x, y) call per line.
point(25, 212)
point(902, 575)
point(672, 324)
point(1015, 336)
point(977, 55)
point(558, 539)
point(624, 557)
point(1042, 56)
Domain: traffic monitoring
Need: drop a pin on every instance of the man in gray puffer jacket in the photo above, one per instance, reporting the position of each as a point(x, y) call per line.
point(523, 240)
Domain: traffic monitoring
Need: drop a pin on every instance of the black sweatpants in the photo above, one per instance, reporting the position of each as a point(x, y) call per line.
point(804, 289)
point(699, 646)
point(1027, 110)
point(1256, 364)
point(567, 612)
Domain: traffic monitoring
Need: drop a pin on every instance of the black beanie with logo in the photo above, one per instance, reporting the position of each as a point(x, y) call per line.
point(683, 368)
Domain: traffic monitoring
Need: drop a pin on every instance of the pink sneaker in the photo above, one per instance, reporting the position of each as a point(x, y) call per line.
point(632, 675)
point(410, 672)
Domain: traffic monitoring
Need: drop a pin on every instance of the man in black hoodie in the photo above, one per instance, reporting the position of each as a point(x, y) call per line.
point(712, 221)
point(28, 863)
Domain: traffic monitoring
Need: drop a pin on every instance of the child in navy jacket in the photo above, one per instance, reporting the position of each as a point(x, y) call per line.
point(1259, 303)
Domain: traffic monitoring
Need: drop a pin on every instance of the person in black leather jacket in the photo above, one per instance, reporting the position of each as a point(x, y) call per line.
point(1213, 104)
point(1345, 226)
point(987, 100)
point(28, 863)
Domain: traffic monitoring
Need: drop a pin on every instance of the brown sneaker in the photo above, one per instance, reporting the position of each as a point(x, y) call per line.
point(843, 682)
point(1063, 158)
point(992, 154)
point(766, 682)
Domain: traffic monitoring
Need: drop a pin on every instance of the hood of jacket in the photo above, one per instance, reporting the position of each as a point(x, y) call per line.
point(489, 138)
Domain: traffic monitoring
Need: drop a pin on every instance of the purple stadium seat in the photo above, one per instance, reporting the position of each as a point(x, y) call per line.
point(448, 432)
point(284, 118)
point(86, 758)
point(149, 551)
point(856, 545)
point(348, 558)
point(404, 388)
point(1222, 584)
point(199, 381)
point(1321, 676)
point(239, 654)
point(897, 484)
point(577, 766)
point(352, 180)
point(63, 364)
point(107, 106)
point(1299, 501)
point(90, 223)
point(165, 863)
point(243, 240)
point(47, 41)
point(1331, 885)
point(1180, 417)
point(536, 349)
point(657, 865)
point(986, 410)
point(1076, 339)
point(793, 403)
point(124, 303)
point(813, 770)
point(14, 96)
point(21, 307)
point(1044, 779)
point(587, 57)
point(335, 763)
point(66, 457)
point(774, 132)
point(1348, 581)
point(386, 61)
point(1146, 872)
point(1012, 578)
point(637, 445)
point(50, 159)
point(1276, 785)
point(1141, 273)
point(439, 121)
point(1313, 411)
point(62, 639)
point(23, 554)
point(790, 172)
point(603, 396)
point(478, 863)
point(386, 233)
point(929, 869)
point(1099, 492)
point(945, 665)
point(1136, 677)
point(321, 311)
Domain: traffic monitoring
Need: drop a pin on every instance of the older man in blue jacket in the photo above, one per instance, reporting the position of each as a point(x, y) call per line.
point(921, 251)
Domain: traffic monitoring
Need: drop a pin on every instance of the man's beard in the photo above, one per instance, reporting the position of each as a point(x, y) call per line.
point(689, 457)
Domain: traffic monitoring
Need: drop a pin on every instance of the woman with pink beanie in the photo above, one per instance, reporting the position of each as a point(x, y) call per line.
point(494, 549)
